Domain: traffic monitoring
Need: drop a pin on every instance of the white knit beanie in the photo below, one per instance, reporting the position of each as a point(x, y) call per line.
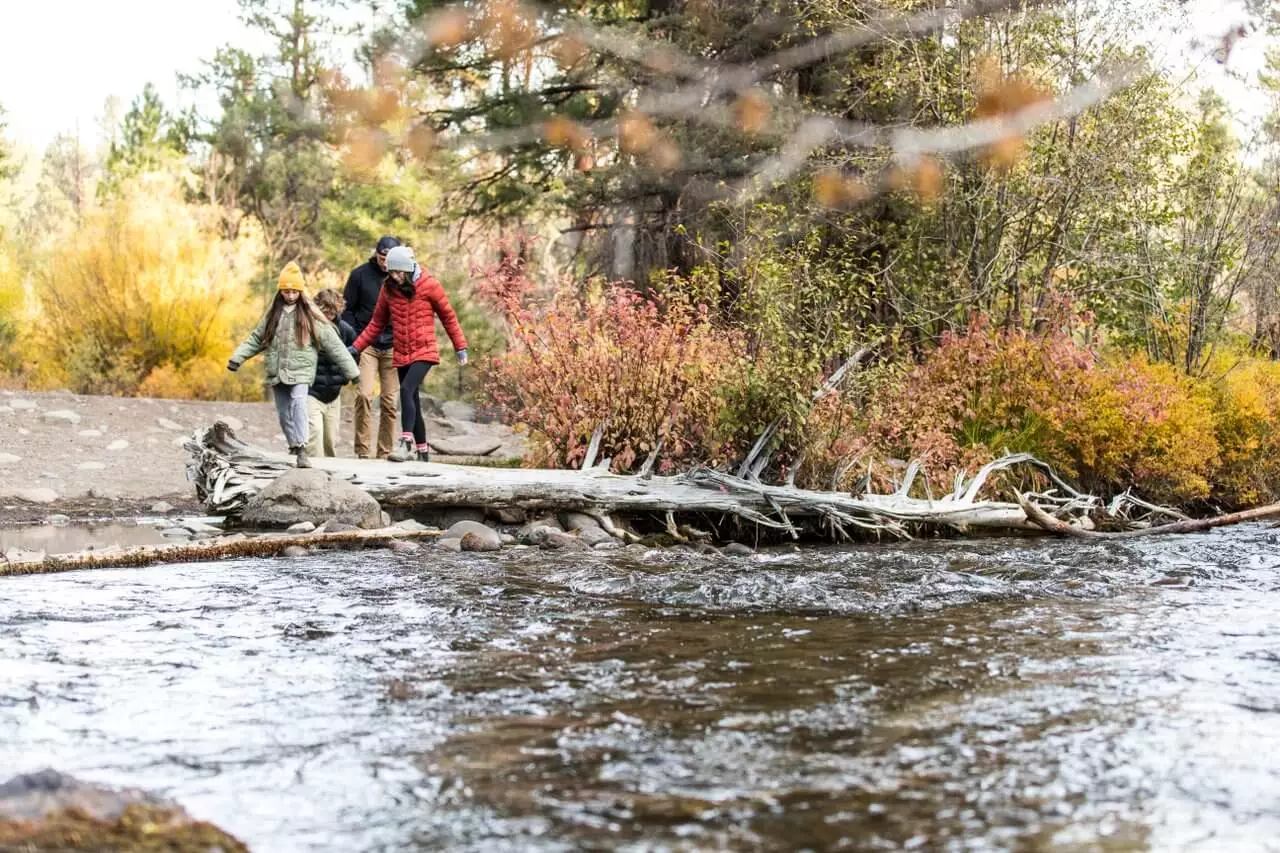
point(400, 259)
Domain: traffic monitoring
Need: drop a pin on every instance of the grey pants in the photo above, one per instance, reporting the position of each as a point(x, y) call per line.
point(291, 406)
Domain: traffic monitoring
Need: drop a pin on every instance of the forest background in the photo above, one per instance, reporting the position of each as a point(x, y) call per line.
point(870, 232)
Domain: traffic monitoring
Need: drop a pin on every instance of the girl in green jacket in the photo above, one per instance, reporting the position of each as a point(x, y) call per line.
point(291, 333)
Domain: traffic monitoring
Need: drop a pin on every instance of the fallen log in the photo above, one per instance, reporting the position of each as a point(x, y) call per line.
point(226, 472)
point(212, 549)
point(1038, 516)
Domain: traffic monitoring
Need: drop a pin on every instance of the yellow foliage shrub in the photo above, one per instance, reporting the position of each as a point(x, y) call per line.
point(1248, 430)
point(147, 280)
point(204, 379)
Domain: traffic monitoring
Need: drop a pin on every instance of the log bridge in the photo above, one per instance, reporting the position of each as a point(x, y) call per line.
point(696, 505)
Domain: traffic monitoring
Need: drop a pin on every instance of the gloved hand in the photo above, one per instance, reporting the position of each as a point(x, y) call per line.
point(232, 366)
point(462, 356)
point(355, 353)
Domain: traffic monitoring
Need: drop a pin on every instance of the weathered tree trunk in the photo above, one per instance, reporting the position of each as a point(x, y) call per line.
point(226, 472)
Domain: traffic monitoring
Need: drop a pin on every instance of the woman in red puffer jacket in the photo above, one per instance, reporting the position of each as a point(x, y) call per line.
point(411, 298)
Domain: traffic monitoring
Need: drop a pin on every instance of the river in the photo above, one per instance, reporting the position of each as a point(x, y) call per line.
point(955, 696)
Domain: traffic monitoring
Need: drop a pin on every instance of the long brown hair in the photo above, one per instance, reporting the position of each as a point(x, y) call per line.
point(304, 325)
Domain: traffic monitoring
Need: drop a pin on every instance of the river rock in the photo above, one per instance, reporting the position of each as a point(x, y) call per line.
point(165, 423)
point(161, 507)
point(587, 528)
point(554, 541)
point(302, 527)
point(36, 495)
point(399, 546)
point(487, 538)
point(91, 466)
point(507, 539)
point(23, 405)
point(310, 494)
point(536, 531)
point(737, 549)
point(58, 519)
point(105, 493)
point(410, 525)
point(89, 433)
point(335, 526)
point(61, 416)
point(450, 544)
point(294, 551)
point(458, 411)
point(47, 811)
point(118, 444)
point(476, 542)
point(511, 515)
point(9, 459)
point(465, 445)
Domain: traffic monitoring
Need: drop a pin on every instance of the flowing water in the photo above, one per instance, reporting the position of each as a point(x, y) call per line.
point(992, 695)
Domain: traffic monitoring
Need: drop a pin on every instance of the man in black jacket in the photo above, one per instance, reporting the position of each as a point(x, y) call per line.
point(361, 295)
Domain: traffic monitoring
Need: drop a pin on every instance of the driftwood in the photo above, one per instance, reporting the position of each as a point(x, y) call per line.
point(1186, 525)
point(226, 472)
point(212, 549)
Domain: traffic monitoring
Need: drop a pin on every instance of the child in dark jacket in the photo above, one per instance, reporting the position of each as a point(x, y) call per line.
point(324, 401)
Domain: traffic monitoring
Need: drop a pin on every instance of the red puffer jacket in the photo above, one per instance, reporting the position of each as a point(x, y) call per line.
point(413, 321)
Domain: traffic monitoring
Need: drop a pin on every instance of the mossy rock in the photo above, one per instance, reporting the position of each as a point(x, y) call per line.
point(140, 828)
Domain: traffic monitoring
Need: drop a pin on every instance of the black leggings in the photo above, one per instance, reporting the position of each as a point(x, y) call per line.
point(411, 376)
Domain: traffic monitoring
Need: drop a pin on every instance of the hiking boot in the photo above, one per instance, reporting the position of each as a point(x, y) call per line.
point(424, 455)
point(302, 461)
point(404, 451)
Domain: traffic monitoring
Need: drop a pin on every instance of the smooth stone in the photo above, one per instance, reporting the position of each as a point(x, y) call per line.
point(507, 539)
point(168, 424)
point(410, 525)
point(563, 542)
point(295, 551)
point(9, 458)
point(31, 495)
point(488, 539)
point(162, 507)
point(465, 445)
point(737, 549)
point(302, 527)
point(479, 542)
point(58, 519)
point(105, 493)
point(23, 405)
point(399, 546)
point(89, 433)
point(118, 444)
point(91, 466)
point(61, 416)
point(450, 544)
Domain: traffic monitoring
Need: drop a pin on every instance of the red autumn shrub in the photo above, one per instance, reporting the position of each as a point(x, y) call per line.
point(644, 366)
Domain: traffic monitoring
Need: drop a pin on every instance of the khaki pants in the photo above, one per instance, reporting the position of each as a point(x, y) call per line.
point(376, 364)
point(324, 420)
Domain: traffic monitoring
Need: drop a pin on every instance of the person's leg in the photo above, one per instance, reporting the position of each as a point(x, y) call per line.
point(298, 397)
point(332, 421)
point(315, 425)
point(369, 362)
point(281, 395)
point(408, 399)
point(388, 401)
point(419, 425)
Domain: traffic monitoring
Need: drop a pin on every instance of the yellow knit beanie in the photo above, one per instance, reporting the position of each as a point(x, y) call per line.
point(291, 278)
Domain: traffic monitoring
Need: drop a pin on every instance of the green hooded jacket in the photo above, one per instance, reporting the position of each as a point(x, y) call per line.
point(291, 364)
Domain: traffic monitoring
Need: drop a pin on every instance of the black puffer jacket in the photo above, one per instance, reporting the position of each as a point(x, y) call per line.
point(329, 377)
point(361, 295)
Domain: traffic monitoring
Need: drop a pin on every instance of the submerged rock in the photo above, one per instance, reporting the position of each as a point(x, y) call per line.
point(587, 528)
point(737, 549)
point(554, 541)
point(485, 537)
point(309, 494)
point(47, 811)
point(537, 530)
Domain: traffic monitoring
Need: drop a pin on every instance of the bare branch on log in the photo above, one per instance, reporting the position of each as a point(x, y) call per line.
point(1191, 525)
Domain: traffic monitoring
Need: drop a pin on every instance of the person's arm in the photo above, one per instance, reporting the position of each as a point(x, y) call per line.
point(252, 345)
point(331, 345)
point(346, 332)
point(351, 296)
point(440, 301)
point(376, 323)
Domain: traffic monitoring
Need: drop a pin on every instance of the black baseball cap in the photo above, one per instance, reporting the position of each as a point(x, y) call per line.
point(386, 244)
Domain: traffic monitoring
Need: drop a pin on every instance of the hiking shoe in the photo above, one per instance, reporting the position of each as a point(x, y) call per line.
point(302, 461)
point(424, 455)
point(404, 451)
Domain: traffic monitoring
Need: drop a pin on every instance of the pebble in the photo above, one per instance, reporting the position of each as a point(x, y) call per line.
point(22, 405)
point(58, 519)
point(168, 424)
point(162, 507)
point(61, 416)
point(91, 466)
point(302, 527)
point(9, 458)
point(89, 433)
point(118, 444)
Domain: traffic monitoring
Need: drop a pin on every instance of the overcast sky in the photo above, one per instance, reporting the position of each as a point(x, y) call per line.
point(61, 59)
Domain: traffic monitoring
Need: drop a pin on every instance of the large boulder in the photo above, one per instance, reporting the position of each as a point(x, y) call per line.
point(309, 494)
point(465, 445)
point(46, 811)
point(482, 537)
